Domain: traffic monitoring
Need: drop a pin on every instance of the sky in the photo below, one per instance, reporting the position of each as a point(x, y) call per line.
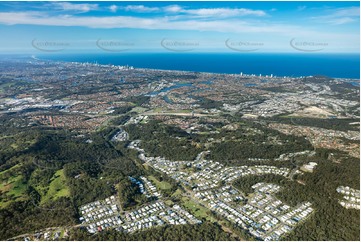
point(72, 27)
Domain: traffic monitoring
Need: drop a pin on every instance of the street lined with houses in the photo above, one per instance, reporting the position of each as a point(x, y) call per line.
point(104, 214)
point(351, 198)
point(210, 184)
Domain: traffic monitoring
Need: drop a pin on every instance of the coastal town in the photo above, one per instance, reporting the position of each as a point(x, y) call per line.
point(180, 120)
point(180, 98)
point(140, 121)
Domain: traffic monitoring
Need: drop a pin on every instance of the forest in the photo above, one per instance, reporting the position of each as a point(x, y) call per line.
point(164, 140)
point(46, 174)
point(255, 141)
point(49, 173)
point(330, 221)
point(334, 124)
point(201, 232)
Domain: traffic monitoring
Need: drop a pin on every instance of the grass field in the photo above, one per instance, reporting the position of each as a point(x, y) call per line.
point(169, 203)
point(6, 136)
point(11, 168)
point(160, 110)
point(146, 166)
point(14, 188)
point(196, 209)
point(57, 187)
point(181, 111)
point(138, 110)
point(157, 110)
point(161, 185)
point(178, 192)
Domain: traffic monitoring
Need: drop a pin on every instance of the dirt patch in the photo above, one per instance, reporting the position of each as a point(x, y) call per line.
point(6, 188)
point(301, 182)
point(313, 112)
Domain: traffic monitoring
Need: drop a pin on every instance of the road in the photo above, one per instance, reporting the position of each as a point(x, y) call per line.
point(47, 229)
point(294, 170)
point(178, 114)
point(190, 195)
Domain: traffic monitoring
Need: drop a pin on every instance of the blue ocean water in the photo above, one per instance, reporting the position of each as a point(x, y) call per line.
point(333, 65)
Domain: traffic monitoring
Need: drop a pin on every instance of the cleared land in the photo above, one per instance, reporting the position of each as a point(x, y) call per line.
point(313, 112)
point(163, 185)
point(196, 209)
point(57, 187)
point(12, 189)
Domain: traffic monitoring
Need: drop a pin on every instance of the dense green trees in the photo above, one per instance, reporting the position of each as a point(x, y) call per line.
point(209, 104)
point(122, 110)
point(245, 183)
point(263, 143)
point(231, 150)
point(200, 232)
point(330, 221)
point(163, 140)
point(129, 194)
point(91, 171)
point(137, 100)
point(26, 216)
point(334, 124)
point(120, 120)
point(95, 170)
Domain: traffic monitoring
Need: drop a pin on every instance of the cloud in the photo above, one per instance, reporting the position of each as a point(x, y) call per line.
point(83, 7)
point(113, 8)
point(201, 12)
point(38, 18)
point(173, 9)
point(141, 8)
point(213, 12)
point(338, 21)
point(347, 12)
point(224, 12)
point(164, 23)
point(339, 16)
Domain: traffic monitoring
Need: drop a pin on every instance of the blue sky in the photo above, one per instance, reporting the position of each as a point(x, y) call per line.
point(181, 26)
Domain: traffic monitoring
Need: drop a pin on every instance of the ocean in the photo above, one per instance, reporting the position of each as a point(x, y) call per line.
point(294, 65)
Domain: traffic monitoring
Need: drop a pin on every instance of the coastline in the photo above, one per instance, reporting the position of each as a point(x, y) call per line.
point(346, 79)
